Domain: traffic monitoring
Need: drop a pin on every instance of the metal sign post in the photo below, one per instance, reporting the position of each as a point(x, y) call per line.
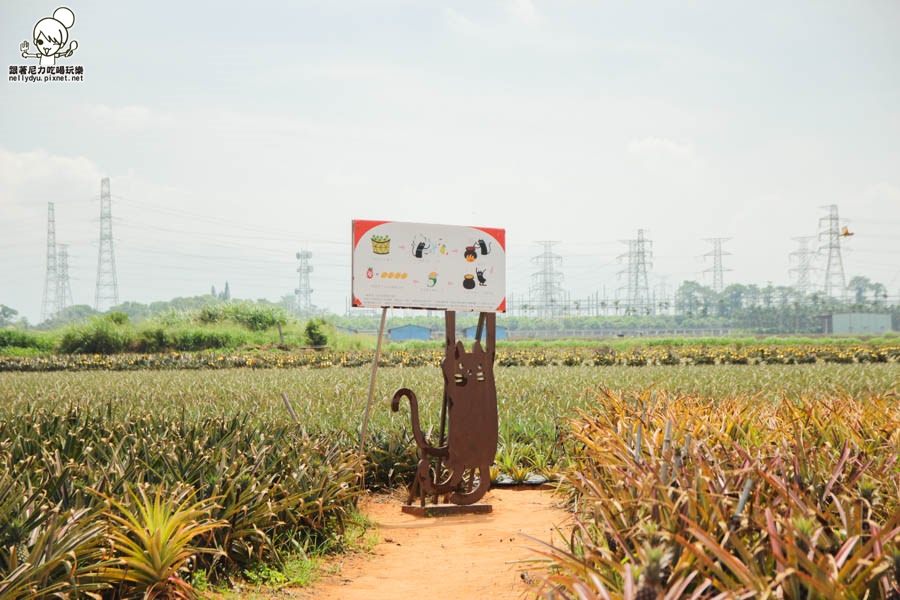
point(365, 423)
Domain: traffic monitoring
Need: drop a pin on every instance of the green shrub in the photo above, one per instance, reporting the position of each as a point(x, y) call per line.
point(257, 320)
point(199, 339)
point(155, 339)
point(315, 336)
point(254, 318)
point(211, 314)
point(100, 336)
point(117, 317)
point(159, 339)
point(12, 338)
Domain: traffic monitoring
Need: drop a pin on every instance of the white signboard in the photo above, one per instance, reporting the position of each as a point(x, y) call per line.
point(416, 265)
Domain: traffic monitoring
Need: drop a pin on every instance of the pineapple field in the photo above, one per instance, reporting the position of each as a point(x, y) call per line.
point(775, 478)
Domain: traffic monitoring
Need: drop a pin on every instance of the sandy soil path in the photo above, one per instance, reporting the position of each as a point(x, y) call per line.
point(462, 557)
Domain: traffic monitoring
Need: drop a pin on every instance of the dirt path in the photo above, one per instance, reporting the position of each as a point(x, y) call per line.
point(459, 557)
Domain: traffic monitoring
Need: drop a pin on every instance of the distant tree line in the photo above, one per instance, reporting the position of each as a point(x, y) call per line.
point(779, 309)
point(741, 307)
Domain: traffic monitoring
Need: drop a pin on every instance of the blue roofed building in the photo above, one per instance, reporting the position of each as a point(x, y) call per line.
point(404, 333)
point(502, 333)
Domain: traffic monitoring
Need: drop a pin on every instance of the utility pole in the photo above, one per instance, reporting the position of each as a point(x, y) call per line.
point(50, 302)
point(802, 257)
point(638, 260)
point(63, 287)
point(304, 290)
point(830, 231)
point(717, 269)
point(107, 293)
point(546, 293)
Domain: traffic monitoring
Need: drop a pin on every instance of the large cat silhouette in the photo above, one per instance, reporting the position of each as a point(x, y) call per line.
point(472, 426)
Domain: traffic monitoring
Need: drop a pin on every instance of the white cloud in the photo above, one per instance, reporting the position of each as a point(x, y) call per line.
point(665, 162)
point(33, 178)
point(656, 148)
point(516, 26)
point(523, 11)
point(28, 181)
point(356, 71)
point(128, 118)
point(883, 192)
point(462, 24)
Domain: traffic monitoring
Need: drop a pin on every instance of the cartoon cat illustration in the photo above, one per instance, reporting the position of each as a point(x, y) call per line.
point(421, 248)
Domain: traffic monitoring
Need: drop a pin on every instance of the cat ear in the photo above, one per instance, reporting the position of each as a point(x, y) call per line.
point(460, 349)
point(476, 348)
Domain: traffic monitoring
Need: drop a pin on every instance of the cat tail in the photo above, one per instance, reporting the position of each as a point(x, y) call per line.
point(484, 484)
point(421, 442)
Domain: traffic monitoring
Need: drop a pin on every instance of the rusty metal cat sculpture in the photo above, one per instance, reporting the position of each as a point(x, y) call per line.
point(471, 408)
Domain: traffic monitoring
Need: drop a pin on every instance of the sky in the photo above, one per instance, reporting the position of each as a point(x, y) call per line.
point(236, 133)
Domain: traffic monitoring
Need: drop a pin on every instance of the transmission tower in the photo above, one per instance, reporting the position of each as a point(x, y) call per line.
point(638, 300)
point(304, 291)
point(63, 287)
point(803, 257)
point(830, 232)
point(717, 269)
point(546, 294)
point(107, 293)
point(50, 302)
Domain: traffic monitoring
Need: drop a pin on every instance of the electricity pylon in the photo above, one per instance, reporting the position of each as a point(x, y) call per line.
point(107, 293)
point(304, 290)
point(638, 260)
point(50, 302)
point(546, 294)
point(717, 268)
point(830, 231)
point(63, 287)
point(803, 258)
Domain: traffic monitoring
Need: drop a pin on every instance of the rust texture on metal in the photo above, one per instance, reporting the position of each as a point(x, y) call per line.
point(458, 467)
point(446, 510)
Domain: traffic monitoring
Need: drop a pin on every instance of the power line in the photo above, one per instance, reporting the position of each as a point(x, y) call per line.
point(221, 259)
point(197, 217)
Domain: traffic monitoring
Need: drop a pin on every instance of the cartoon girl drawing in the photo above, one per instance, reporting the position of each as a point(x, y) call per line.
point(50, 36)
